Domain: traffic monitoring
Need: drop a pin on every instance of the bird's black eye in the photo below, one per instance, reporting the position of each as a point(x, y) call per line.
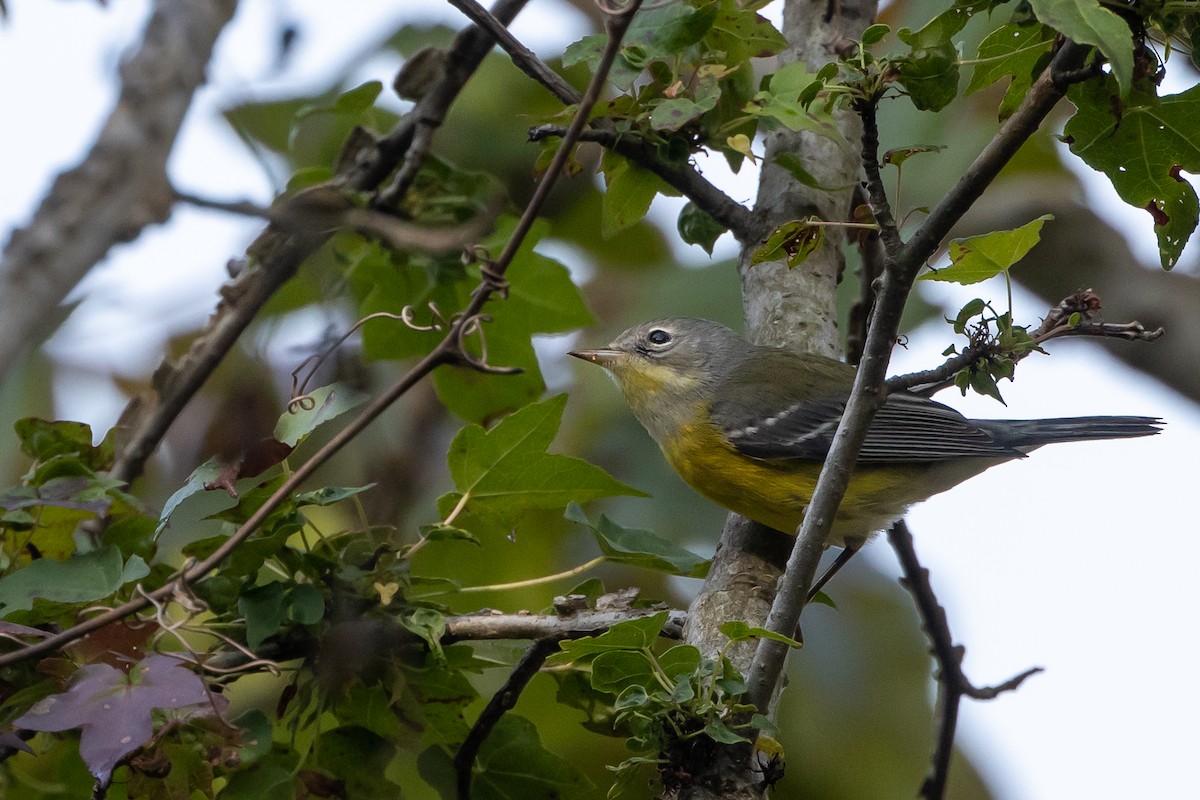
point(658, 336)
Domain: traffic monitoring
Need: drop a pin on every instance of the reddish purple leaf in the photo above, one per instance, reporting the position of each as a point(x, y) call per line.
point(114, 711)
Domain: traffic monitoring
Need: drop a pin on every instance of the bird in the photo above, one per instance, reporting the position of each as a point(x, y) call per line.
point(748, 426)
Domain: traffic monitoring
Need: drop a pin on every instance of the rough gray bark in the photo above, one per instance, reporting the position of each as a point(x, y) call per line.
point(791, 307)
point(121, 186)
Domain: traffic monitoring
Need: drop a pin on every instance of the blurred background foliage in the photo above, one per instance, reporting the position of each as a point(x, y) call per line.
point(858, 709)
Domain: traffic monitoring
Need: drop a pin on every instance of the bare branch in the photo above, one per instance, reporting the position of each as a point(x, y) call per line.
point(889, 234)
point(120, 187)
point(525, 59)
point(502, 701)
point(680, 176)
point(953, 685)
point(486, 625)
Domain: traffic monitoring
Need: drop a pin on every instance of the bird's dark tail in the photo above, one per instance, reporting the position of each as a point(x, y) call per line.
point(1023, 434)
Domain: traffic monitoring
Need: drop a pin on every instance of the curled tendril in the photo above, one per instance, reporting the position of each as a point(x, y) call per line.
point(437, 320)
point(301, 401)
point(473, 326)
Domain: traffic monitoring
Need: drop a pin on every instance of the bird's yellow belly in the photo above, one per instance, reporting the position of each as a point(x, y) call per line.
point(775, 492)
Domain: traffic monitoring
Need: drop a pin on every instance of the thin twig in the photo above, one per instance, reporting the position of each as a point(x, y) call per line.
point(1056, 325)
point(871, 257)
point(889, 234)
point(525, 59)
point(953, 684)
point(681, 176)
point(502, 701)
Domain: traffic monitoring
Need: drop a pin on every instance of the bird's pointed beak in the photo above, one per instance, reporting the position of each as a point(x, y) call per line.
point(604, 357)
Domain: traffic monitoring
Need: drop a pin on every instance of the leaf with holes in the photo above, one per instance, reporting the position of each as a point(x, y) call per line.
point(1143, 153)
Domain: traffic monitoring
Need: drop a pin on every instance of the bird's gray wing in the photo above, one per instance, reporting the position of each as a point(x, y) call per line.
point(907, 429)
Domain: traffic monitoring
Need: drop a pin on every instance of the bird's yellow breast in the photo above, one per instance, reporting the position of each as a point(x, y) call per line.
point(775, 492)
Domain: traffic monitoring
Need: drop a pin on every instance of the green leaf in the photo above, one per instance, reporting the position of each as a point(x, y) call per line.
point(792, 242)
point(673, 113)
point(720, 732)
point(634, 696)
point(542, 298)
point(429, 625)
point(368, 707)
point(786, 100)
point(630, 190)
point(305, 604)
point(263, 610)
point(358, 99)
point(616, 670)
point(512, 763)
point(930, 72)
point(270, 778)
point(897, 156)
point(78, 579)
point(255, 736)
point(330, 495)
point(1143, 153)
point(680, 661)
point(1089, 22)
point(319, 406)
point(875, 33)
point(1020, 51)
point(742, 33)
point(443, 693)
point(507, 469)
point(981, 257)
point(640, 548)
point(43, 439)
point(739, 631)
point(634, 634)
point(358, 758)
point(478, 397)
point(696, 226)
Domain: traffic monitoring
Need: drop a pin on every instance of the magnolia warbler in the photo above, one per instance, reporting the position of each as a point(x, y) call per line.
point(748, 427)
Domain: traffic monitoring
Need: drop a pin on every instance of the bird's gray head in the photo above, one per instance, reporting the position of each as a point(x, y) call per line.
point(664, 367)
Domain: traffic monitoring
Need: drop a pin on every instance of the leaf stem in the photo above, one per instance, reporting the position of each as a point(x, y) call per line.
point(500, 587)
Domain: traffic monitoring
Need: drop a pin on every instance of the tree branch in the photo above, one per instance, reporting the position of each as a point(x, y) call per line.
point(680, 176)
point(525, 59)
point(502, 701)
point(953, 684)
point(1055, 325)
point(889, 234)
point(121, 186)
